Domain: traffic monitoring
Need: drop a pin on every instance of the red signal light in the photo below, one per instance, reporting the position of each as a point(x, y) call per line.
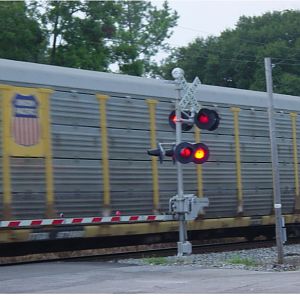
point(184, 152)
point(187, 152)
point(184, 116)
point(203, 118)
point(207, 119)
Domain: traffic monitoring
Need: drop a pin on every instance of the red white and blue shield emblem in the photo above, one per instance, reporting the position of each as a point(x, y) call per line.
point(25, 125)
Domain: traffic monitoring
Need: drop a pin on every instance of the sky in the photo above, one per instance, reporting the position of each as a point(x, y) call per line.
point(201, 18)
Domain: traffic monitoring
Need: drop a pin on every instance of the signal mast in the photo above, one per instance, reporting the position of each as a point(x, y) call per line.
point(188, 112)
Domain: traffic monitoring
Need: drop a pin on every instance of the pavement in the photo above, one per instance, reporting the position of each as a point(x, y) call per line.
point(114, 278)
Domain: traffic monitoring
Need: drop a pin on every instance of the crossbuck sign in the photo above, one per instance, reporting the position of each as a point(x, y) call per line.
point(188, 100)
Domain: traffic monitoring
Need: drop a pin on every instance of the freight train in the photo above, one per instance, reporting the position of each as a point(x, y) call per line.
point(74, 145)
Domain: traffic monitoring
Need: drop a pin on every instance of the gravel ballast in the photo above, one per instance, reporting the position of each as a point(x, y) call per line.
point(261, 259)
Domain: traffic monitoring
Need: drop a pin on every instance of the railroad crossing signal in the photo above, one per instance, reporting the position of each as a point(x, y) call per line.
point(207, 119)
point(186, 206)
point(188, 152)
point(188, 101)
point(184, 153)
point(184, 116)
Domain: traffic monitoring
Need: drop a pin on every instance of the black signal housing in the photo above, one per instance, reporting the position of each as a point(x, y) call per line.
point(184, 116)
point(187, 152)
point(207, 119)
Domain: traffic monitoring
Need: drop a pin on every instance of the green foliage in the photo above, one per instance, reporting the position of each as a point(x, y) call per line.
point(290, 84)
point(237, 260)
point(21, 37)
point(85, 34)
point(156, 261)
point(142, 30)
point(236, 57)
point(77, 33)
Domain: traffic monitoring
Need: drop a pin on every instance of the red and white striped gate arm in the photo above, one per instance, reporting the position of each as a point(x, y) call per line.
point(84, 221)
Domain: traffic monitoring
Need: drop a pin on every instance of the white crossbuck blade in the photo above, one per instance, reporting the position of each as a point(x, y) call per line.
point(188, 100)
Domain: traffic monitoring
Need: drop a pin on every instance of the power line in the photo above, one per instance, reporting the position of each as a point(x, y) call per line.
point(245, 55)
point(193, 29)
point(248, 41)
point(253, 60)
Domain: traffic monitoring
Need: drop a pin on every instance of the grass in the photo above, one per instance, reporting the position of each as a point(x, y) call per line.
point(237, 260)
point(156, 261)
point(234, 260)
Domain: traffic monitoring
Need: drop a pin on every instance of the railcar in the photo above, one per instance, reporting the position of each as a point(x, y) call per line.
point(74, 145)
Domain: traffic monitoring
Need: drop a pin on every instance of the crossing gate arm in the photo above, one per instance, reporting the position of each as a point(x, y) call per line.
point(84, 221)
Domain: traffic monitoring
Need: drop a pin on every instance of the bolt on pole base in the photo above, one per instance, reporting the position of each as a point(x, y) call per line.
point(184, 248)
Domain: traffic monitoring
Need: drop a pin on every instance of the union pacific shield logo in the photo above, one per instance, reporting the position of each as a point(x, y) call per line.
point(25, 125)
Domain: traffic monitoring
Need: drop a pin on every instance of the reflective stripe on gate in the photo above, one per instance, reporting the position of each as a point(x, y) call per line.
point(84, 221)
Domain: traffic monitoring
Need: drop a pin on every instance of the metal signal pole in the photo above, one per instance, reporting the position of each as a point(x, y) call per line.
point(275, 164)
point(183, 247)
point(186, 206)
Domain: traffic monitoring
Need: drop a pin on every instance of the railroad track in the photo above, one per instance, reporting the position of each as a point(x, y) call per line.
point(139, 251)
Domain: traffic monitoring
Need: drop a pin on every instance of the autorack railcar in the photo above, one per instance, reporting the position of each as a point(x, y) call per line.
point(74, 144)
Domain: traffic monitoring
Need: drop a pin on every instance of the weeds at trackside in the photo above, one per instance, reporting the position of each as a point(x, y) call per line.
point(237, 260)
point(155, 261)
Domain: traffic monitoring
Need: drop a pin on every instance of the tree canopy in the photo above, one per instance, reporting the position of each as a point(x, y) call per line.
point(77, 36)
point(86, 34)
point(236, 57)
point(142, 30)
point(128, 34)
point(21, 37)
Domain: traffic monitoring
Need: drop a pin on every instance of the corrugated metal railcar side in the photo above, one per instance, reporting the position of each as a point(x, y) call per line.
point(98, 117)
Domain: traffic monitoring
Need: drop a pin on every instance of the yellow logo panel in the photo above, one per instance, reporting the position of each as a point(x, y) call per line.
point(25, 119)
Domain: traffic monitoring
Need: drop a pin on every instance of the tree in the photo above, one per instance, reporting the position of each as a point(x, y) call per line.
point(79, 32)
point(86, 34)
point(94, 34)
point(58, 18)
point(236, 57)
point(141, 32)
point(21, 37)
